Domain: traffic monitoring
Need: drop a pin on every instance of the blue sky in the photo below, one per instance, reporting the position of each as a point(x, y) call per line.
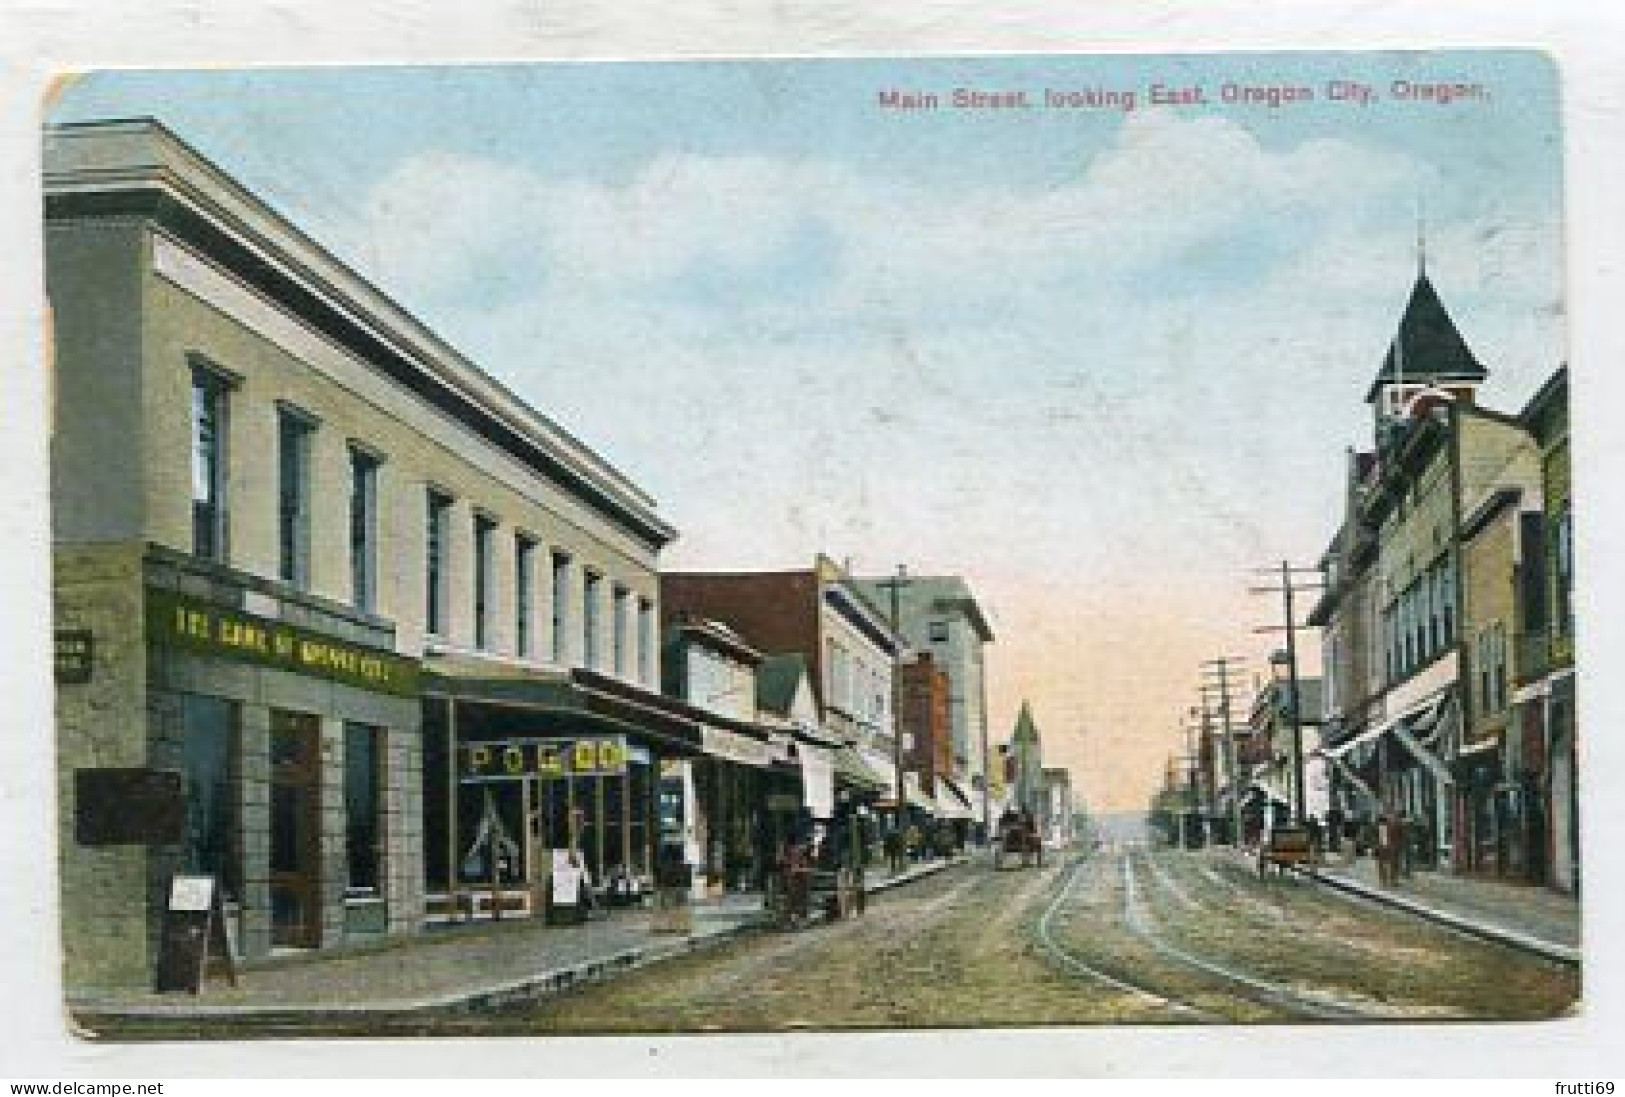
point(1099, 362)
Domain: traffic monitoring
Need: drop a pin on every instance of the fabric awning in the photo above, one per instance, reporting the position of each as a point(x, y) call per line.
point(1353, 778)
point(818, 780)
point(1427, 721)
point(851, 770)
point(952, 802)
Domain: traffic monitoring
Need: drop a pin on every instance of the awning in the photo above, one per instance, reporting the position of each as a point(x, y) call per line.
point(730, 746)
point(818, 780)
point(852, 771)
point(1403, 731)
point(1343, 748)
point(583, 698)
point(1352, 778)
point(952, 803)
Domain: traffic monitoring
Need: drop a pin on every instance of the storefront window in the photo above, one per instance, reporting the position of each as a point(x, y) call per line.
point(209, 767)
point(363, 774)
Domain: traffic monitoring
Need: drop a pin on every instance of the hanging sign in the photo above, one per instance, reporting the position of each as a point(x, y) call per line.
point(733, 747)
point(555, 759)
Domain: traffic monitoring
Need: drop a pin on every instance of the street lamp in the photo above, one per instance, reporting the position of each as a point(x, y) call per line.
point(1284, 674)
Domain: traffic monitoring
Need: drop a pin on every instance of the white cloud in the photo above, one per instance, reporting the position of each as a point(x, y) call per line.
point(1146, 373)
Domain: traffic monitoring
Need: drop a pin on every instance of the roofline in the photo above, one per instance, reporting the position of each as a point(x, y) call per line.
point(177, 186)
point(1544, 395)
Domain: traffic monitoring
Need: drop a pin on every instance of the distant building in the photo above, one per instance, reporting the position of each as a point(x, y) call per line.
point(939, 615)
point(846, 645)
point(1056, 807)
point(1026, 762)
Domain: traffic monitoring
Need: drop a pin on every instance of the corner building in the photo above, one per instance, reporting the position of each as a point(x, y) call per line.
point(297, 538)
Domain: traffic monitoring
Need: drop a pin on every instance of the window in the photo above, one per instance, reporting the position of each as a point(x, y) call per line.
point(618, 630)
point(484, 537)
point(437, 561)
point(1563, 569)
point(1498, 667)
point(294, 431)
point(646, 642)
point(208, 762)
point(590, 585)
point(208, 464)
point(363, 529)
point(363, 773)
point(1430, 585)
point(938, 632)
point(524, 595)
point(561, 607)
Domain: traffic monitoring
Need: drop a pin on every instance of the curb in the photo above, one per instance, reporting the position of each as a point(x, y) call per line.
point(92, 1016)
point(1549, 949)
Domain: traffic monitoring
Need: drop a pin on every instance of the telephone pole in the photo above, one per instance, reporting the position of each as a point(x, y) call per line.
point(1286, 588)
point(893, 587)
point(1217, 672)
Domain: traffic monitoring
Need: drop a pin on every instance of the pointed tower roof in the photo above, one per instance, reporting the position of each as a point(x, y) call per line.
point(1427, 346)
point(1026, 731)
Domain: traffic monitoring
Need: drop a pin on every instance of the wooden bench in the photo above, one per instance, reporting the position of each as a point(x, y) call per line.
point(1286, 846)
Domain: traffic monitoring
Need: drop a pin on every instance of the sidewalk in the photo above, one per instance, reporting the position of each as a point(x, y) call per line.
point(1521, 914)
point(472, 967)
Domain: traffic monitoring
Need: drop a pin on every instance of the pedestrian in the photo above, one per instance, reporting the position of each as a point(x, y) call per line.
point(1316, 837)
point(1387, 850)
point(1402, 845)
point(1334, 829)
point(894, 850)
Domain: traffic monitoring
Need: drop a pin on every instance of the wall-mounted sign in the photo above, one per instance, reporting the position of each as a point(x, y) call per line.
point(512, 759)
point(75, 651)
point(733, 747)
point(128, 807)
point(180, 621)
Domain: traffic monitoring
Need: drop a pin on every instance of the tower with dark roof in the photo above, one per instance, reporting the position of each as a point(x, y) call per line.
point(1427, 352)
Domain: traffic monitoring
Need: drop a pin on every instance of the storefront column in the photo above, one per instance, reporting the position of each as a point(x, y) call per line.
point(401, 872)
point(332, 859)
point(254, 816)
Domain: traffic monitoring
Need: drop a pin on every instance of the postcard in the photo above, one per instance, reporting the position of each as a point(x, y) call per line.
point(757, 545)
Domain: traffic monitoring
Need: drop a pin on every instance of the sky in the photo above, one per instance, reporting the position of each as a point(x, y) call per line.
point(1102, 362)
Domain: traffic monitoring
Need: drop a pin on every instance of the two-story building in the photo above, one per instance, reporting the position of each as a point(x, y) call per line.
point(347, 606)
point(847, 647)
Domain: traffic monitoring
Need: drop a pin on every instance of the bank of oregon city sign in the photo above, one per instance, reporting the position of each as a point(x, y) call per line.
point(513, 759)
point(176, 620)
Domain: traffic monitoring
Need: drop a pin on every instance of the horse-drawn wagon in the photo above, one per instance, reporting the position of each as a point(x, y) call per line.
point(1017, 839)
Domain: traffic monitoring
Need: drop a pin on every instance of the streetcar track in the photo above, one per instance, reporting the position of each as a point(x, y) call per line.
point(1141, 923)
point(1070, 961)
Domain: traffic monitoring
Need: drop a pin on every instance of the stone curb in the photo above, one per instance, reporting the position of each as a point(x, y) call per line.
point(1549, 949)
point(527, 989)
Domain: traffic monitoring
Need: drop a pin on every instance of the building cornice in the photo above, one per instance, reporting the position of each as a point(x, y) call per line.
point(137, 168)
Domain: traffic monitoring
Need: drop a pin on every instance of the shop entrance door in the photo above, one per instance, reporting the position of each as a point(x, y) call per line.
point(296, 913)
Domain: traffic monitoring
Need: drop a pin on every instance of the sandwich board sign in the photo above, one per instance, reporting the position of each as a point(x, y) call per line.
point(193, 933)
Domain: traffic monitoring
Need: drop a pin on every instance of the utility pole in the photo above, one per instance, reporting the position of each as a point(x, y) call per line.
point(1186, 825)
point(1219, 670)
point(1286, 589)
point(893, 587)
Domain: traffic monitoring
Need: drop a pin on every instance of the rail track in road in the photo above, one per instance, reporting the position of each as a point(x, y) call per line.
point(1231, 980)
point(1070, 961)
point(1143, 924)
